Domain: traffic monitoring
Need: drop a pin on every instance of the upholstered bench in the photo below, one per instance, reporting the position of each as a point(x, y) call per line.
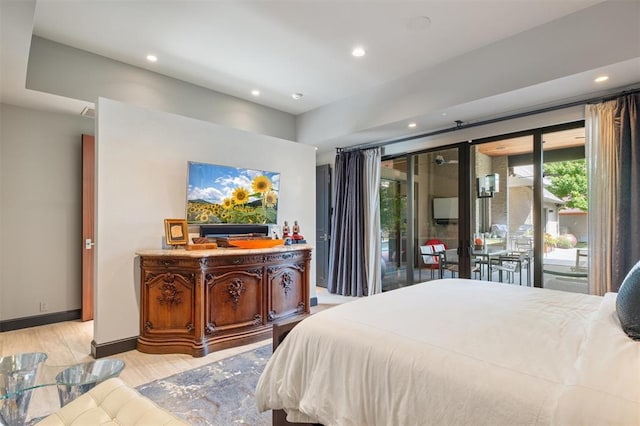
point(111, 402)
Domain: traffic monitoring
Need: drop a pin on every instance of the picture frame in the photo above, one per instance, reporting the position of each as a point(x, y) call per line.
point(176, 232)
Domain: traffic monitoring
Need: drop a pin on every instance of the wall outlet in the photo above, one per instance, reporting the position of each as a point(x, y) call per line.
point(44, 307)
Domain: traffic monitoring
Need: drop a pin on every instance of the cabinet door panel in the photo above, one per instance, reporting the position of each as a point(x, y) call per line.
point(233, 300)
point(286, 285)
point(170, 303)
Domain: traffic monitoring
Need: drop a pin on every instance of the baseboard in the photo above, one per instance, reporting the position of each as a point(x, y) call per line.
point(111, 348)
point(26, 322)
point(313, 301)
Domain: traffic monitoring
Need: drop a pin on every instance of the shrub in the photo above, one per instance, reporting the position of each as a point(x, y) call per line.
point(566, 241)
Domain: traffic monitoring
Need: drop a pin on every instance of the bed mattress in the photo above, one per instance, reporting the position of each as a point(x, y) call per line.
point(458, 351)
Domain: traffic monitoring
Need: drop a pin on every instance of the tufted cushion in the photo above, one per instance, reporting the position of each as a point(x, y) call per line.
point(628, 303)
point(111, 402)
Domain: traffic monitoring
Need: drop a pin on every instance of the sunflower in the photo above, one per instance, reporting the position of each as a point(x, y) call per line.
point(216, 209)
point(271, 198)
point(227, 203)
point(240, 195)
point(204, 217)
point(261, 184)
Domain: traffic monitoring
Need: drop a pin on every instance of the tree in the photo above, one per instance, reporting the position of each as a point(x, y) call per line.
point(569, 182)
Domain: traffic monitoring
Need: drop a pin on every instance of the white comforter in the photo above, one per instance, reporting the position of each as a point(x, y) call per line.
point(458, 352)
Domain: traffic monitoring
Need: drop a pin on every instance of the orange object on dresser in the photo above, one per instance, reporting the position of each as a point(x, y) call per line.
point(256, 243)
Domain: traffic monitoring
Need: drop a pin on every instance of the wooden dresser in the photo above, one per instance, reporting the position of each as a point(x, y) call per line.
point(195, 302)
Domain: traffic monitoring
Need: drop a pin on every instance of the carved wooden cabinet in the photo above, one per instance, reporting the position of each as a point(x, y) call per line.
point(195, 302)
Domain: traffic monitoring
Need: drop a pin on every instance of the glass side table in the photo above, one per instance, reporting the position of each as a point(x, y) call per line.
point(22, 374)
point(78, 379)
point(18, 375)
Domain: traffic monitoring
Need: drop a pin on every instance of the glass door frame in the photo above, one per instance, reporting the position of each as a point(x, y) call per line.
point(538, 204)
point(464, 208)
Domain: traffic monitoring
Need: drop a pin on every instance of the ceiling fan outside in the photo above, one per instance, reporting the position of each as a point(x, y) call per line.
point(440, 160)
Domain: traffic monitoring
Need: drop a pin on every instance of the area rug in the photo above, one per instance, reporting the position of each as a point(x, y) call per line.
point(220, 393)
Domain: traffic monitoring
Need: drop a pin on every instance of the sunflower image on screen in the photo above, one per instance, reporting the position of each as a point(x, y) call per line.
point(222, 194)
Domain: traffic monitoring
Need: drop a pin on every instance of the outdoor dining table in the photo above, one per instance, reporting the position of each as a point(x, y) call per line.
point(486, 254)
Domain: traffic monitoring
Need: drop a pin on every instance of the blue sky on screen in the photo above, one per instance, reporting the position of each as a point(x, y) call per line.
point(214, 183)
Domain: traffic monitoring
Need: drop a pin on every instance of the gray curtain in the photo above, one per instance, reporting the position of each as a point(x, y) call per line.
point(349, 256)
point(626, 247)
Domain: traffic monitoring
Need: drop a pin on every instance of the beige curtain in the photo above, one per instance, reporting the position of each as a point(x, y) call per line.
point(371, 202)
point(602, 163)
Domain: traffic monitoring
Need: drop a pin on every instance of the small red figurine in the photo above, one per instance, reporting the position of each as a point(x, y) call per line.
point(296, 231)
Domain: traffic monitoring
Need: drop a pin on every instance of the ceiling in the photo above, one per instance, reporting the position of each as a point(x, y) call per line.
point(524, 145)
point(286, 47)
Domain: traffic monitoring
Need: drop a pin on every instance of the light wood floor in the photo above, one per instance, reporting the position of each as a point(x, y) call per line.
point(69, 343)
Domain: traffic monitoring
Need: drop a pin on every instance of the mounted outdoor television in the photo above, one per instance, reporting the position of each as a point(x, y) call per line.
point(223, 194)
point(445, 210)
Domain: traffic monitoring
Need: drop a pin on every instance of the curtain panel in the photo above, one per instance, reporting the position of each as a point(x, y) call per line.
point(626, 248)
point(613, 155)
point(354, 252)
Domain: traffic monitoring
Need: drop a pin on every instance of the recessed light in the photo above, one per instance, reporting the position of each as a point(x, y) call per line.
point(412, 125)
point(255, 92)
point(601, 78)
point(358, 52)
point(444, 114)
point(297, 96)
point(152, 58)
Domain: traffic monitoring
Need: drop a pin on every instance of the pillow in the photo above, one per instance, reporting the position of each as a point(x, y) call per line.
point(628, 303)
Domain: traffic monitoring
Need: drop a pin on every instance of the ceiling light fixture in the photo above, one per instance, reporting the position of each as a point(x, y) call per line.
point(297, 96)
point(255, 92)
point(601, 78)
point(412, 125)
point(358, 52)
point(152, 58)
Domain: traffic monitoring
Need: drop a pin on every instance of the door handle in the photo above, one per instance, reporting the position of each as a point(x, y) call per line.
point(88, 244)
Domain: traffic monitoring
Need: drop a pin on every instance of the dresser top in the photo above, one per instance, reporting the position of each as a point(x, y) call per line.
point(222, 251)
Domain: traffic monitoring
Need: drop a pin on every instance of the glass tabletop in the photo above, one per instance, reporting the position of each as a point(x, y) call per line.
point(21, 374)
point(77, 379)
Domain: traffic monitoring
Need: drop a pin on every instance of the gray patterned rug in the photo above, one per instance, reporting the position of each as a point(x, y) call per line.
point(220, 393)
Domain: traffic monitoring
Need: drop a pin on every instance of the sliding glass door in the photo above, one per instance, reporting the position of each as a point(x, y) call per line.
point(531, 227)
point(393, 212)
point(565, 211)
point(510, 209)
point(420, 217)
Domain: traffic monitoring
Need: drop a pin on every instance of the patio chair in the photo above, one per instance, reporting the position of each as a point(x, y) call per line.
point(431, 259)
point(513, 263)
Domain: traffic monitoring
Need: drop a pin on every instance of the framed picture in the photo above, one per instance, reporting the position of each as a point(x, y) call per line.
point(176, 231)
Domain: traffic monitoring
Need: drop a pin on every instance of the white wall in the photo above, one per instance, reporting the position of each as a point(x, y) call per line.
point(41, 211)
point(142, 160)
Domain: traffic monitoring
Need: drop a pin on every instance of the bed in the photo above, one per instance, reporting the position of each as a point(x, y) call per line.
point(458, 352)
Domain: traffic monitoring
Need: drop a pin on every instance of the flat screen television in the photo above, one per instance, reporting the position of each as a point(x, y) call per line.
point(445, 209)
point(234, 195)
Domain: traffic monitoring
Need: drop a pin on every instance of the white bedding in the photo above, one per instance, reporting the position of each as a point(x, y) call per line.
point(458, 352)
